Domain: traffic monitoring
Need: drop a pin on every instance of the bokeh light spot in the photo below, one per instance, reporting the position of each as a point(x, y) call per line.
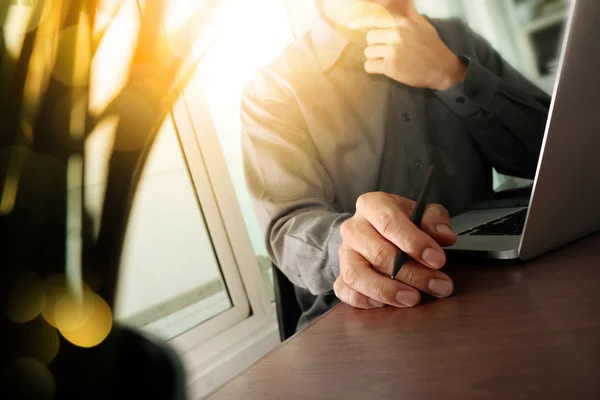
point(56, 289)
point(93, 328)
point(36, 339)
point(151, 78)
point(26, 378)
point(72, 313)
point(26, 297)
point(137, 105)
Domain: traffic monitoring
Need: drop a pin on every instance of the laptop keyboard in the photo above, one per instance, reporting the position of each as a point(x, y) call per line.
point(511, 224)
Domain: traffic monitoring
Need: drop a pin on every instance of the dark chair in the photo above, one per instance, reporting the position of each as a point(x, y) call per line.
point(288, 310)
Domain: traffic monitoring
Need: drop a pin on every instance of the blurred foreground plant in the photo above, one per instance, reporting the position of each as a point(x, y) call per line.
point(47, 54)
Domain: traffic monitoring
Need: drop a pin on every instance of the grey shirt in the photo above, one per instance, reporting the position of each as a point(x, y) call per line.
point(318, 132)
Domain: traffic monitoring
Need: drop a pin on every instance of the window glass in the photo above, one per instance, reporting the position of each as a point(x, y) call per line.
point(255, 33)
point(170, 279)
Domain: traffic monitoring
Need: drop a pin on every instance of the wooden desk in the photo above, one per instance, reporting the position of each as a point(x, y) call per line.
point(510, 332)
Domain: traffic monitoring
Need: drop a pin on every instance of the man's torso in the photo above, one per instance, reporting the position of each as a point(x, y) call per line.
point(374, 134)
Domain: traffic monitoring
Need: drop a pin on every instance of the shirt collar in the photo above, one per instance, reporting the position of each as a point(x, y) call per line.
point(329, 44)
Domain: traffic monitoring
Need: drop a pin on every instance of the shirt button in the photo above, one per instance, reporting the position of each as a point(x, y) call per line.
point(418, 164)
point(406, 117)
point(461, 100)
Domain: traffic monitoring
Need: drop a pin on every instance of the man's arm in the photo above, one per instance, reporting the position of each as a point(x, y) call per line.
point(505, 113)
point(290, 189)
point(316, 245)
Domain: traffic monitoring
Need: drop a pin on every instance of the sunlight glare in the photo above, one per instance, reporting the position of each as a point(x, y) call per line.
point(113, 56)
point(256, 33)
point(363, 11)
point(20, 20)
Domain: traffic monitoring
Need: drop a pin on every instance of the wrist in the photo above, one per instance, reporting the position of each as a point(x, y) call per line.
point(453, 73)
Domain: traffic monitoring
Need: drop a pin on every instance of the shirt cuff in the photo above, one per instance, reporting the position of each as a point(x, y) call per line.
point(474, 95)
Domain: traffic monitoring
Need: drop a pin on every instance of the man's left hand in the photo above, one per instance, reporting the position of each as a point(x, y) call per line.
point(410, 51)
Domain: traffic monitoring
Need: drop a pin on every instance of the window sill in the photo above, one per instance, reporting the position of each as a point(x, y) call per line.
point(211, 364)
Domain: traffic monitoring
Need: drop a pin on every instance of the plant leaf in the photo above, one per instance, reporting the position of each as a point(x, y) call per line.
point(97, 40)
point(13, 102)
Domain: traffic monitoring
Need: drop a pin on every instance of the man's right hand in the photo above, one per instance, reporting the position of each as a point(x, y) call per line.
point(371, 239)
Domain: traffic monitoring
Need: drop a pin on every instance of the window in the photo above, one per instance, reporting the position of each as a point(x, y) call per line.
point(171, 278)
point(232, 61)
point(190, 268)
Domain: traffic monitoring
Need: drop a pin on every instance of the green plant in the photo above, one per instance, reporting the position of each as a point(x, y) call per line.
point(45, 121)
point(52, 124)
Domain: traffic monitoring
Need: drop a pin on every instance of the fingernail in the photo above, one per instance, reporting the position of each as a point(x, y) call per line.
point(445, 230)
point(441, 287)
point(375, 303)
point(407, 298)
point(434, 258)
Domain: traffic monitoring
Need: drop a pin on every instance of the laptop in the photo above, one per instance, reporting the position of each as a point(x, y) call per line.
point(565, 198)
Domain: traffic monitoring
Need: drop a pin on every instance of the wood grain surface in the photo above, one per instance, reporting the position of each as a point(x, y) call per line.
point(511, 331)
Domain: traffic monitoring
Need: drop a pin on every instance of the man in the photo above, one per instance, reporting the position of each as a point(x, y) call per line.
point(340, 130)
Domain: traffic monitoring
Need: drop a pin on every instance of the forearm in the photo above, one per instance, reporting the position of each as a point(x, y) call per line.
point(304, 244)
point(507, 120)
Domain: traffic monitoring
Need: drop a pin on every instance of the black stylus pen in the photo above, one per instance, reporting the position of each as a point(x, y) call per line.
point(415, 218)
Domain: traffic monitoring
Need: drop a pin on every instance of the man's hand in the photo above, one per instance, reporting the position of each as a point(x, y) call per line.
point(410, 51)
point(371, 239)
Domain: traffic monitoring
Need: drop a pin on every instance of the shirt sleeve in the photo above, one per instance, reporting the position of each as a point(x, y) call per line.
point(291, 191)
point(504, 112)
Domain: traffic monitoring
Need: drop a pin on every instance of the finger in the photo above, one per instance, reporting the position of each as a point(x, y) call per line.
point(436, 222)
point(357, 273)
point(378, 51)
point(350, 296)
point(378, 66)
point(383, 36)
point(389, 216)
point(365, 240)
point(359, 235)
point(427, 280)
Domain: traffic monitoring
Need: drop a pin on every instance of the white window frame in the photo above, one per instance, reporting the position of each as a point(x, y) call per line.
point(251, 308)
point(216, 231)
point(233, 337)
point(224, 220)
point(228, 203)
point(241, 334)
point(207, 202)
